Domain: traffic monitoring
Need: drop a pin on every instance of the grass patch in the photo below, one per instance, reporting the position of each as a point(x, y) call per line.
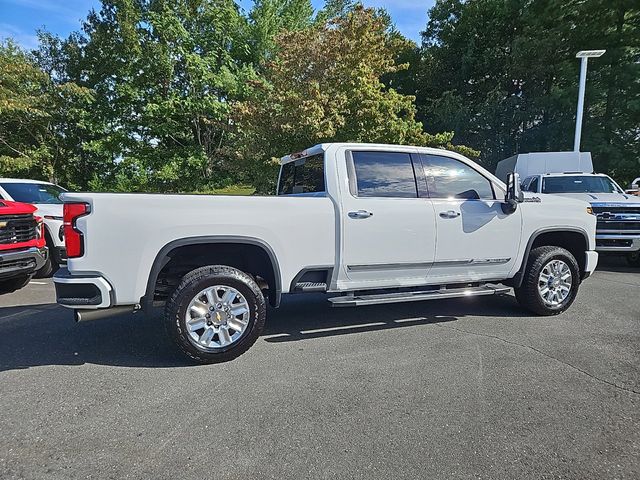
point(233, 190)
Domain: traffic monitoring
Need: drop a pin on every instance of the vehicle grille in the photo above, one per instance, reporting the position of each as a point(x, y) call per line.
point(618, 219)
point(18, 229)
point(620, 209)
point(623, 227)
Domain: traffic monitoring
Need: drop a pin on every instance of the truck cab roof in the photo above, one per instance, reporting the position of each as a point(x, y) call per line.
point(323, 147)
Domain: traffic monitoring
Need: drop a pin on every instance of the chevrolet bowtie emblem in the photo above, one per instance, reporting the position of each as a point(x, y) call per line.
point(3, 224)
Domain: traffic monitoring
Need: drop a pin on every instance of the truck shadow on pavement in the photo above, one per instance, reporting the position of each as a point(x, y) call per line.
point(304, 317)
point(45, 334)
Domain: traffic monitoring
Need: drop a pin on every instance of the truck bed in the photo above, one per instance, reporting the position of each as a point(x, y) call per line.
point(126, 232)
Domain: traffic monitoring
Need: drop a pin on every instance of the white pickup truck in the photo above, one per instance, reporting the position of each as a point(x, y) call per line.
point(366, 224)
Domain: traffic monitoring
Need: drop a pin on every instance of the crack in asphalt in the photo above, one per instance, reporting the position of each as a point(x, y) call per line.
point(510, 342)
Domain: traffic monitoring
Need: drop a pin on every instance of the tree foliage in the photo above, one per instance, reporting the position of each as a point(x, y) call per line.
point(324, 84)
point(503, 76)
point(38, 118)
point(197, 95)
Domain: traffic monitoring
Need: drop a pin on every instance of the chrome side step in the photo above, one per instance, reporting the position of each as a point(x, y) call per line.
point(415, 296)
point(310, 287)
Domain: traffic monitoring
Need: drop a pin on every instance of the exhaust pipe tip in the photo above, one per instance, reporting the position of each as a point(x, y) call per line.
point(86, 315)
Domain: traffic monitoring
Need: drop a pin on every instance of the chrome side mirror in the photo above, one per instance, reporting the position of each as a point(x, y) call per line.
point(514, 194)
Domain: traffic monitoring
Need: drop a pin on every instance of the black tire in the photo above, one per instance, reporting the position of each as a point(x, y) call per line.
point(48, 269)
point(50, 266)
point(528, 295)
point(13, 284)
point(198, 280)
point(633, 259)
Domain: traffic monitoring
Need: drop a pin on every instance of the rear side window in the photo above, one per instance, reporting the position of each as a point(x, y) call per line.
point(302, 176)
point(450, 178)
point(383, 174)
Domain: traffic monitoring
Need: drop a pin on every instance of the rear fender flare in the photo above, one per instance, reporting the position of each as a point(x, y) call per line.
point(163, 257)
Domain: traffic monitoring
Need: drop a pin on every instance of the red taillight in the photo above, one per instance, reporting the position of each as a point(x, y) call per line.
point(73, 238)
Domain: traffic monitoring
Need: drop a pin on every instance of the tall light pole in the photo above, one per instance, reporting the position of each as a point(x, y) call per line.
point(584, 56)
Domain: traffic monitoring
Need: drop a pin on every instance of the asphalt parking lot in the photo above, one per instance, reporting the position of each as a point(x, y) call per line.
point(471, 388)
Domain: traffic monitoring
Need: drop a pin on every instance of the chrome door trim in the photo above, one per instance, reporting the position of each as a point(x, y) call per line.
point(444, 263)
point(387, 266)
point(472, 261)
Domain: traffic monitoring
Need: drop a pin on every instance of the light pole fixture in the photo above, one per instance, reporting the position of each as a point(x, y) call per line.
point(584, 55)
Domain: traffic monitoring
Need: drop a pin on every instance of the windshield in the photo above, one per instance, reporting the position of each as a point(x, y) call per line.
point(34, 192)
point(579, 184)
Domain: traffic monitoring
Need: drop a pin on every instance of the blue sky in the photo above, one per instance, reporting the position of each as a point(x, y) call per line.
point(20, 19)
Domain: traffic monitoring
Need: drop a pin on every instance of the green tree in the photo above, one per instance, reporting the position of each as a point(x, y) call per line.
point(503, 76)
point(37, 119)
point(164, 74)
point(325, 85)
point(268, 18)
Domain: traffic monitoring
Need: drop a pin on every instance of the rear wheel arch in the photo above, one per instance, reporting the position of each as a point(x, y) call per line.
point(244, 244)
point(573, 239)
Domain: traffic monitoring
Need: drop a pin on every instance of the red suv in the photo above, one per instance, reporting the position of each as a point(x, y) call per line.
point(22, 245)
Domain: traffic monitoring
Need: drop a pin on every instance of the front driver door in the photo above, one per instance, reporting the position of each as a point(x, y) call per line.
point(476, 240)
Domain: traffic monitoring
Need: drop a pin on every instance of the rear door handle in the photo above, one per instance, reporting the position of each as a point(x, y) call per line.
point(449, 214)
point(360, 214)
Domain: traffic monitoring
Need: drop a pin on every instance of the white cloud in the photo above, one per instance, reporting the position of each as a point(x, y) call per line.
point(25, 40)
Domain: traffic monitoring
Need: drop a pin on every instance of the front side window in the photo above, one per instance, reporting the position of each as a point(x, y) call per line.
point(305, 175)
point(383, 174)
point(450, 178)
point(579, 184)
point(34, 192)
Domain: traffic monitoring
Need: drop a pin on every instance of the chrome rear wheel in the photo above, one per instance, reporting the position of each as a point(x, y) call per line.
point(215, 313)
point(217, 317)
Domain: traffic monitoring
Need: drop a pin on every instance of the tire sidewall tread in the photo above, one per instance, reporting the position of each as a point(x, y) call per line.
point(527, 294)
point(199, 279)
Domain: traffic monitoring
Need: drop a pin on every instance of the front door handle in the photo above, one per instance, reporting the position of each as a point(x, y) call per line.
point(449, 214)
point(360, 214)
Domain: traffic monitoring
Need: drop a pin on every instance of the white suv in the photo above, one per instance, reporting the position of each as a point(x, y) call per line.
point(45, 197)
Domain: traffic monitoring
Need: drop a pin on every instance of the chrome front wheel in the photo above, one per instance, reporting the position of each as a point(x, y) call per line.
point(554, 283)
point(550, 281)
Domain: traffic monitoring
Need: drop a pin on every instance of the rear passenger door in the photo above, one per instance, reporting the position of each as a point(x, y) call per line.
point(388, 231)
